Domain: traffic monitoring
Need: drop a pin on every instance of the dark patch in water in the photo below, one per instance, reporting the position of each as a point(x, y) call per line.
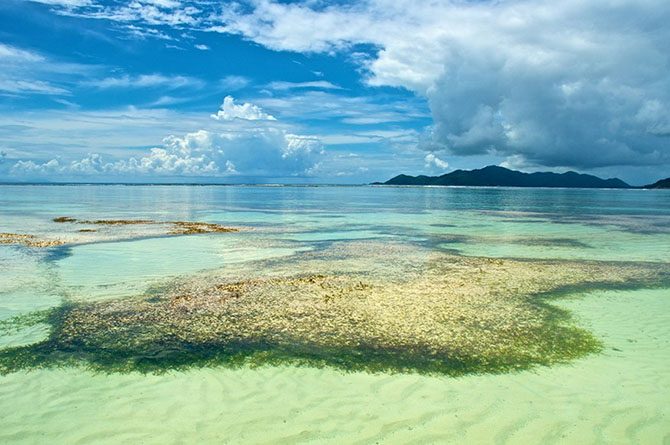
point(436, 240)
point(557, 242)
point(54, 254)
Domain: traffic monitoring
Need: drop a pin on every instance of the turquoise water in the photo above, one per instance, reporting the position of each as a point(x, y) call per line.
point(620, 395)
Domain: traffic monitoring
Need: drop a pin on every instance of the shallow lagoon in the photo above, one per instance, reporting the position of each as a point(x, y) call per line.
point(618, 395)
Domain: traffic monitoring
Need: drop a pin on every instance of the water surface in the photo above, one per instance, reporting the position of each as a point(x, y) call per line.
point(619, 395)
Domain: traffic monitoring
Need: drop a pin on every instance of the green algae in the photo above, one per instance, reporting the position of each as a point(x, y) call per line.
point(19, 322)
point(553, 342)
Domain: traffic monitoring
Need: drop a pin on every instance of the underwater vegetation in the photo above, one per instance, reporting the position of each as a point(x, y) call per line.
point(357, 306)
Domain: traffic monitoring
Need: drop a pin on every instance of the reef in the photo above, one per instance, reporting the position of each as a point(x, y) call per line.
point(356, 307)
point(63, 219)
point(28, 240)
point(110, 230)
point(190, 228)
point(173, 227)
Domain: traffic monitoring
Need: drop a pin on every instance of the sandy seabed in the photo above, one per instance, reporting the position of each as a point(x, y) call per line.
point(618, 396)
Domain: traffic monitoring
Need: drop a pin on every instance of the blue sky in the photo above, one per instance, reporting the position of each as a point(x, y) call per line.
point(335, 92)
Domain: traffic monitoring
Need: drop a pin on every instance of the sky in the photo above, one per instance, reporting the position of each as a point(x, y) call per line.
point(313, 91)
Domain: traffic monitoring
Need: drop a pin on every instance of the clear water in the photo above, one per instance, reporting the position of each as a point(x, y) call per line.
point(619, 396)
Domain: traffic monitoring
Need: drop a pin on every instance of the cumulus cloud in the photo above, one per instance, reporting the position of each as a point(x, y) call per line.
point(260, 152)
point(433, 161)
point(230, 110)
point(265, 150)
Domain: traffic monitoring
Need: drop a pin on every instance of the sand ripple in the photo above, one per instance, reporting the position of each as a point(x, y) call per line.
point(619, 397)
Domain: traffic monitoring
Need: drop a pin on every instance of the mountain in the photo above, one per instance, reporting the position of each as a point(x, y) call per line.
point(660, 184)
point(504, 177)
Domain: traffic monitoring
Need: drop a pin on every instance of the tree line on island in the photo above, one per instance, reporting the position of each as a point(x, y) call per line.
point(495, 176)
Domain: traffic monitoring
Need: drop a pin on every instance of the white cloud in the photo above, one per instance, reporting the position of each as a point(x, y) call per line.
point(9, 54)
point(163, 3)
point(65, 3)
point(237, 147)
point(433, 161)
point(26, 72)
point(391, 138)
point(233, 82)
point(202, 47)
point(295, 27)
point(358, 110)
point(169, 100)
point(246, 111)
point(114, 132)
point(317, 84)
point(145, 81)
point(146, 12)
point(30, 86)
point(30, 167)
point(261, 152)
point(143, 32)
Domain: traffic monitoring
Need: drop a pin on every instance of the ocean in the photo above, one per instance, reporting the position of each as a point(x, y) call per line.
point(333, 314)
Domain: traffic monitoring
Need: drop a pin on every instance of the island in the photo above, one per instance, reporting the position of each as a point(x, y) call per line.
point(660, 184)
point(495, 176)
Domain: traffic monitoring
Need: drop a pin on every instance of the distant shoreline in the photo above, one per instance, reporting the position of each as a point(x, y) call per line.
point(491, 176)
point(379, 185)
point(496, 176)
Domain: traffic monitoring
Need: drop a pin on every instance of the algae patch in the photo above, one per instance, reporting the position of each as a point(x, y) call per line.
point(436, 313)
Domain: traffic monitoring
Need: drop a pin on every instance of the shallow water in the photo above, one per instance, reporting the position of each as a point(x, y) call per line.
point(617, 396)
